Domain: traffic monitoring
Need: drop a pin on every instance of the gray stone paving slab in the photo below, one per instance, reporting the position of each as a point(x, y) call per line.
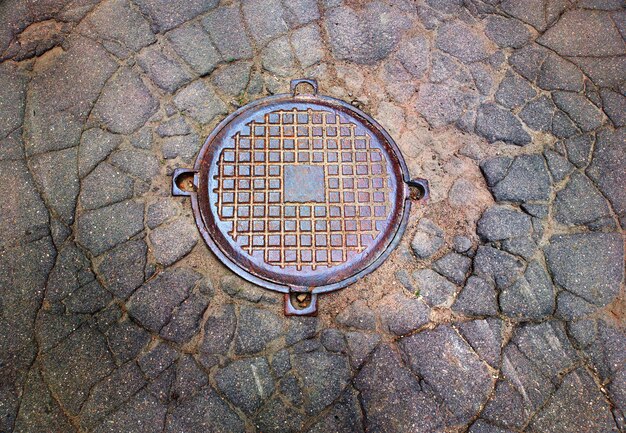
point(501, 310)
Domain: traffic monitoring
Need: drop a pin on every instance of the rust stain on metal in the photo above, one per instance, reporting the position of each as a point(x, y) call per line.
point(301, 194)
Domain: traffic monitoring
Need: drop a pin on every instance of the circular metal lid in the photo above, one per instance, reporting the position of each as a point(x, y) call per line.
point(300, 191)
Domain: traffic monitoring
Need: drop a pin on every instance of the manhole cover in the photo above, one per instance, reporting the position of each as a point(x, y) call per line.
point(299, 193)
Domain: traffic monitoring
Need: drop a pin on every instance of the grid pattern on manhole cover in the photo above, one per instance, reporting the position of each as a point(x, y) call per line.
point(302, 188)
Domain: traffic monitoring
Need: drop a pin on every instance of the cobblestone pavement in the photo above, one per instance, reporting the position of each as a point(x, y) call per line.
point(501, 311)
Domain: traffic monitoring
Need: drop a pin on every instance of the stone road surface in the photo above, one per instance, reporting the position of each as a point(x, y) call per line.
point(501, 311)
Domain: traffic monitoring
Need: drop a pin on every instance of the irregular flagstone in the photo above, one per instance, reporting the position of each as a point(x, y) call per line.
point(506, 32)
point(526, 179)
point(57, 178)
point(152, 304)
point(324, 376)
point(218, 330)
point(173, 241)
point(530, 11)
point(56, 105)
point(276, 417)
point(559, 166)
point(192, 43)
point(607, 168)
point(546, 345)
point(522, 391)
point(462, 41)
point(360, 345)
point(23, 272)
point(495, 169)
point(590, 265)
point(24, 215)
point(607, 349)
point(503, 222)
point(301, 12)
point(122, 269)
point(529, 297)
point(104, 350)
point(84, 356)
point(524, 246)
point(71, 270)
point(162, 69)
point(558, 74)
point(308, 45)
point(12, 146)
point(39, 411)
point(157, 360)
point(478, 297)
point(584, 33)
point(579, 202)
point(393, 399)
point(201, 412)
point(571, 307)
point(37, 39)
point(141, 164)
point(246, 383)
point(514, 91)
point(485, 337)
point(527, 61)
point(257, 327)
point(467, 381)
point(87, 299)
point(605, 72)
point(225, 26)
point(344, 417)
point(586, 115)
point(453, 266)
point(126, 340)
point(125, 103)
point(111, 393)
point(497, 266)
point(562, 413)
point(614, 105)
point(278, 58)
point(266, 18)
point(12, 98)
point(563, 126)
point(495, 123)
point(186, 319)
point(414, 54)
point(117, 20)
point(481, 426)
point(166, 15)
point(427, 240)
point(442, 104)
point(200, 102)
point(184, 147)
point(357, 315)
point(366, 35)
point(52, 328)
point(301, 328)
point(483, 77)
point(190, 378)
point(104, 186)
point(292, 391)
point(95, 145)
point(401, 314)
point(435, 289)
point(232, 78)
point(102, 229)
point(141, 414)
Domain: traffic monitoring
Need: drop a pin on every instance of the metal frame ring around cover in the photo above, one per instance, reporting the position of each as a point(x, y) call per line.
point(199, 193)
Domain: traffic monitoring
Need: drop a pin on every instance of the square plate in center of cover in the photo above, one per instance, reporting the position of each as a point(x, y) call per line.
point(304, 183)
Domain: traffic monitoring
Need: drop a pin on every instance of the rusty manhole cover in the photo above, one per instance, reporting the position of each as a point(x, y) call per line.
point(299, 193)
